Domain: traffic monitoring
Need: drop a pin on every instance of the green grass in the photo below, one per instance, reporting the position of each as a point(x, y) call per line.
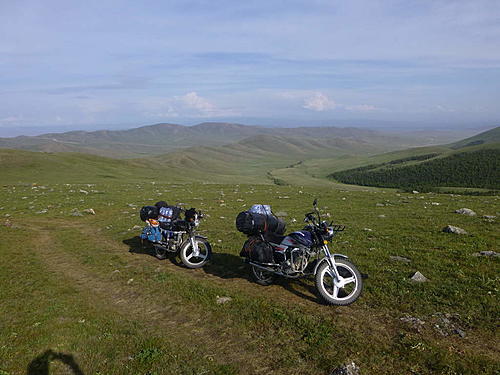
point(59, 270)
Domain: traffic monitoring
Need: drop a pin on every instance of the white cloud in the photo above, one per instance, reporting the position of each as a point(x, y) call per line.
point(193, 101)
point(319, 102)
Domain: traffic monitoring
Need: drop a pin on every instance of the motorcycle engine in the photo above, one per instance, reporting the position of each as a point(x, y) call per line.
point(299, 259)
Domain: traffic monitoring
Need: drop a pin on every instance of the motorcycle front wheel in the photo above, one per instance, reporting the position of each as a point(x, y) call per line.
point(193, 259)
point(342, 292)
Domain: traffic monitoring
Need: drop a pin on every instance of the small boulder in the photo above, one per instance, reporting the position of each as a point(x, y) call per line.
point(465, 211)
point(83, 191)
point(75, 212)
point(223, 300)
point(418, 278)
point(397, 258)
point(460, 332)
point(89, 211)
point(415, 192)
point(487, 253)
point(348, 369)
point(454, 230)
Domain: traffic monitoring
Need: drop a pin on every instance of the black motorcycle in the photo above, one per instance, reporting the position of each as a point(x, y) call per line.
point(305, 253)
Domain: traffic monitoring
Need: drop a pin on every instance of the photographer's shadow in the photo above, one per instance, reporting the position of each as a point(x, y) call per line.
point(41, 364)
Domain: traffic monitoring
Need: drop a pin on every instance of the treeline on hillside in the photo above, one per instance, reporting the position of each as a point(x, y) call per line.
point(477, 169)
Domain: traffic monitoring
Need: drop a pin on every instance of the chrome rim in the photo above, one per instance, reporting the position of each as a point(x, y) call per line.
point(198, 257)
point(343, 288)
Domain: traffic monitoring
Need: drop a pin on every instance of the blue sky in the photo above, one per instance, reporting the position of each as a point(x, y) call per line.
point(110, 63)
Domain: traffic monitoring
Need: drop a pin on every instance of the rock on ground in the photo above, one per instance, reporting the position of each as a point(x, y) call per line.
point(223, 300)
point(75, 212)
point(416, 323)
point(465, 211)
point(418, 277)
point(89, 211)
point(487, 253)
point(397, 258)
point(348, 369)
point(455, 230)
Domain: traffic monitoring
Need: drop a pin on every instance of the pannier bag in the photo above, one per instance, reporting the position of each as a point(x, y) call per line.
point(149, 212)
point(257, 250)
point(247, 248)
point(151, 233)
point(252, 223)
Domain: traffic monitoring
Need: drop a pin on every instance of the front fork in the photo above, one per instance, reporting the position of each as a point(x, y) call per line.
point(194, 245)
point(331, 262)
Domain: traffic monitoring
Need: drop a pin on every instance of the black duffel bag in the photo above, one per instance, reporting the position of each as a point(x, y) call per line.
point(252, 223)
point(149, 212)
point(257, 250)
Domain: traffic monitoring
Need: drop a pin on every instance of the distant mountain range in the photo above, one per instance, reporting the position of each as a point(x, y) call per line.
point(233, 153)
point(162, 138)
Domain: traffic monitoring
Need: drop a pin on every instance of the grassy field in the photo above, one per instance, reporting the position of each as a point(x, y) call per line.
point(79, 293)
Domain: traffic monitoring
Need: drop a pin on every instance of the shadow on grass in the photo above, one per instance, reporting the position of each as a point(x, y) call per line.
point(138, 246)
point(40, 365)
point(300, 288)
point(229, 266)
point(226, 266)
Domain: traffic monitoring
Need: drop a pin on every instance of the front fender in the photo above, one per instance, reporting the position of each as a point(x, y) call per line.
point(324, 260)
point(202, 237)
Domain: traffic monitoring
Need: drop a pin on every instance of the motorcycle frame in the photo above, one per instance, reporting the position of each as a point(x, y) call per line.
point(328, 257)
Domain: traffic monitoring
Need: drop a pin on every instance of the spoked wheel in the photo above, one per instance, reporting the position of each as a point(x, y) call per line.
point(195, 258)
point(340, 292)
point(261, 276)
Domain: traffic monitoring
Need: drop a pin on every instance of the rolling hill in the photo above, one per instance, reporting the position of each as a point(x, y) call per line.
point(490, 136)
point(471, 163)
point(162, 138)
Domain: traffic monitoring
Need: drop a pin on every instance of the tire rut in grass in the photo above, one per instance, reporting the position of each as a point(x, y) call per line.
point(188, 327)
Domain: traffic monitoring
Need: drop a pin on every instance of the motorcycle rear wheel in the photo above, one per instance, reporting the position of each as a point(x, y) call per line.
point(346, 290)
point(261, 276)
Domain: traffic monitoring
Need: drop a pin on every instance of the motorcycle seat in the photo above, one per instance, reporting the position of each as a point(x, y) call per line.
point(273, 237)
